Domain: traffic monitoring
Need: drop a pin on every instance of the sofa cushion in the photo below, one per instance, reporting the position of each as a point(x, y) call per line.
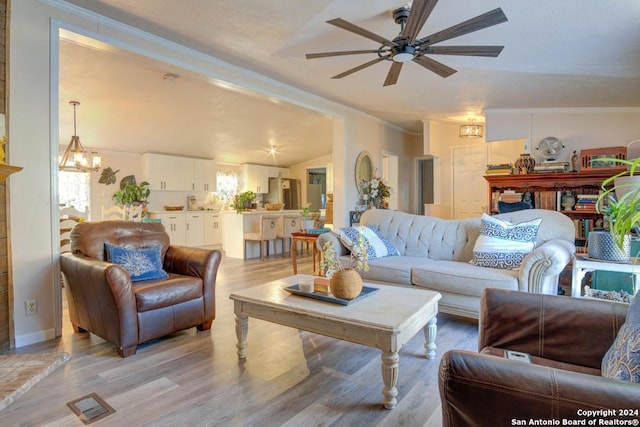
point(392, 269)
point(462, 278)
point(622, 360)
point(374, 242)
point(142, 264)
point(502, 244)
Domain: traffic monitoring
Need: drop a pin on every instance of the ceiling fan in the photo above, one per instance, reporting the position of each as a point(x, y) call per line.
point(408, 47)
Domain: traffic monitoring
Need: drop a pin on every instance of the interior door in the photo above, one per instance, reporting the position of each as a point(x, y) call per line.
point(469, 188)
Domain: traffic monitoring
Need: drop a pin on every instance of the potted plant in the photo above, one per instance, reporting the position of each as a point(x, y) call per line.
point(345, 282)
point(134, 199)
point(623, 210)
point(308, 223)
point(244, 200)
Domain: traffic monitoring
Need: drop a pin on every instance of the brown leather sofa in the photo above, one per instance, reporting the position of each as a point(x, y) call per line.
point(103, 300)
point(566, 338)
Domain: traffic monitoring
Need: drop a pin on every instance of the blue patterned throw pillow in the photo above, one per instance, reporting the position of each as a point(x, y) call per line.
point(142, 264)
point(374, 242)
point(502, 244)
point(622, 361)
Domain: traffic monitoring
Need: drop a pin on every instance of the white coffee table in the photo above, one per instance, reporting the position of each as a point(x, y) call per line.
point(386, 319)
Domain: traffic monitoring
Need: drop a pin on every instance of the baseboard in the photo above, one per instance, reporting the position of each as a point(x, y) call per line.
point(34, 337)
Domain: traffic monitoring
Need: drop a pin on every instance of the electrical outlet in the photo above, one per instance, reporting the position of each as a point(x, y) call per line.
point(31, 306)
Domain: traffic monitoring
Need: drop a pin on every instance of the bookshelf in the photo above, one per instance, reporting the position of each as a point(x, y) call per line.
point(546, 190)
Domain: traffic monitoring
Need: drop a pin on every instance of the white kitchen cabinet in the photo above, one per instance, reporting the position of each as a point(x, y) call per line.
point(194, 232)
point(174, 225)
point(204, 175)
point(256, 177)
point(165, 172)
point(212, 229)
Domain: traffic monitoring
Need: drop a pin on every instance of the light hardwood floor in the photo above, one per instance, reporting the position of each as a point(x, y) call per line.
point(290, 377)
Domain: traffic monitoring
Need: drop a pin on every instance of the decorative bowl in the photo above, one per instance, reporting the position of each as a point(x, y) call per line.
point(173, 207)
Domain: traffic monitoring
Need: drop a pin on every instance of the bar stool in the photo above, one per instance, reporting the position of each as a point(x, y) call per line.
point(269, 226)
point(291, 223)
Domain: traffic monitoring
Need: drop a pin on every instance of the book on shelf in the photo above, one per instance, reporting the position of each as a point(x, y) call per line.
point(551, 166)
point(498, 171)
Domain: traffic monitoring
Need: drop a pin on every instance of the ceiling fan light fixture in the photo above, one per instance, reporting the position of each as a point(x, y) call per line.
point(471, 131)
point(403, 53)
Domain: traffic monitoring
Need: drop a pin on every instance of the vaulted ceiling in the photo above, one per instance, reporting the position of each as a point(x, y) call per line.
point(557, 54)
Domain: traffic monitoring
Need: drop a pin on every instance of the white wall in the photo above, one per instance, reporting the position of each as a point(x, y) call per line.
point(518, 131)
point(33, 129)
point(578, 128)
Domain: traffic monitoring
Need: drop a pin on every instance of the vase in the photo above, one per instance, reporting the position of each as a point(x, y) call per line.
point(135, 212)
point(602, 245)
point(345, 284)
point(525, 163)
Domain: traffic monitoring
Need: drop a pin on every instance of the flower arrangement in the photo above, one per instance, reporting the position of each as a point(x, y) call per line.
point(376, 190)
point(330, 263)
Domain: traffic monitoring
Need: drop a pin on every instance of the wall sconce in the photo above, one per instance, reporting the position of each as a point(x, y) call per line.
point(471, 131)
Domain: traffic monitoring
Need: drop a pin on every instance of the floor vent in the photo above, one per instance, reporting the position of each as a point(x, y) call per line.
point(90, 408)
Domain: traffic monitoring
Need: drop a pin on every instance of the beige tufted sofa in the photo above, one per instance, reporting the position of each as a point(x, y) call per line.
point(435, 255)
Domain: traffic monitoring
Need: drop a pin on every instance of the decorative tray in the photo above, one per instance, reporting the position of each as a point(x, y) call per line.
point(172, 208)
point(366, 291)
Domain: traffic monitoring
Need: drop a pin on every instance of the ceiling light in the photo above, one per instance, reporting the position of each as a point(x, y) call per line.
point(471, 131)
point(170, 77)
point(403, 53)
point(75, 157)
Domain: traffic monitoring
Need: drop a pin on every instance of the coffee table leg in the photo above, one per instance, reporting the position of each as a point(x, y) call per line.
point(390, 377)
point(430, 331)
point(242, 328)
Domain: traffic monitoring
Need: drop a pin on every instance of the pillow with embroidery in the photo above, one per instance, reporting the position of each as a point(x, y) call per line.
point(376, 245)
point(502, 244)
point(142, 264)
point(622, 360)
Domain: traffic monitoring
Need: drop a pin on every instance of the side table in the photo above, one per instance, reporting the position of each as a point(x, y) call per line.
point(583, 264)
point(304, 237)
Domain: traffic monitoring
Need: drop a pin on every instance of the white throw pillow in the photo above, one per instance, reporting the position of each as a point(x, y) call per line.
point(375, 243)
point(502, 244)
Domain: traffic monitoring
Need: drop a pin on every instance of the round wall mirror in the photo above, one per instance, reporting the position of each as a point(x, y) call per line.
point(364, 168)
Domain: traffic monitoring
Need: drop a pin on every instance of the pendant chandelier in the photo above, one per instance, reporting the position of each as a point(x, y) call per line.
point(471, 131)
point(75, 157)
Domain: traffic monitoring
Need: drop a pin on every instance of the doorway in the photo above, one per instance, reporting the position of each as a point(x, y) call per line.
point(317, 188)
point(469, 189)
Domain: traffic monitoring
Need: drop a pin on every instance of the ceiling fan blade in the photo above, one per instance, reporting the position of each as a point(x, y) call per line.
point(437, 67)
point(341, 23)
point(492, 51)
point(480, 22)
point(360, 67)
point(420, 11)
point(392, 75)
point(340, 53)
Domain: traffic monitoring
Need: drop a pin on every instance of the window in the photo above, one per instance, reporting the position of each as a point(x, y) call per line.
point(227, 183)
point(73, 190)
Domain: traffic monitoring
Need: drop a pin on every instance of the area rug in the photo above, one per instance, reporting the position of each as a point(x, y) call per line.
point(20, 372)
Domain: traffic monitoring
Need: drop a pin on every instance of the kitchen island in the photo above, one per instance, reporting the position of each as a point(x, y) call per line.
point(236, 224)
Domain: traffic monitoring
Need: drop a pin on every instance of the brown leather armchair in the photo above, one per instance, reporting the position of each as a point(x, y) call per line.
point(103, 300)
point(566, 339)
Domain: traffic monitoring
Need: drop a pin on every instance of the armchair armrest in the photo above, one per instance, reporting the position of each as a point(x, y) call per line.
point(540, 269)
point(101, 299)
point(196, 262)
point(476, 387)
point(572, 330)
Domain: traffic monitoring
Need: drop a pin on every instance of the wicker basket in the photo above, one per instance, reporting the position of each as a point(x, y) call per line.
point(345, 284)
